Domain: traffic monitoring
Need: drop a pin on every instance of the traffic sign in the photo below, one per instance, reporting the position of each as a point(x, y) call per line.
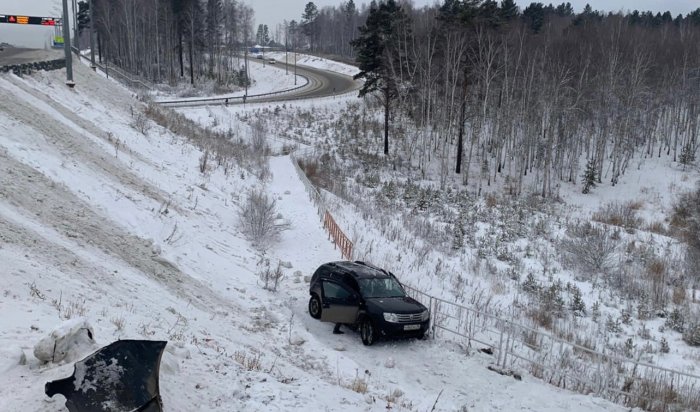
point(41, 21)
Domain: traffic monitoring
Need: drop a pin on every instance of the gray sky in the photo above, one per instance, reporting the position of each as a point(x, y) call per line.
point(273, 12)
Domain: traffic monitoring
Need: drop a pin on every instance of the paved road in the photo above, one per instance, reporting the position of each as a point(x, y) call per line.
point(10, 56)
point(321, 83)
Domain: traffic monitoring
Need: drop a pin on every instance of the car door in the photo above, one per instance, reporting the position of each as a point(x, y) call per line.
point(340, 304)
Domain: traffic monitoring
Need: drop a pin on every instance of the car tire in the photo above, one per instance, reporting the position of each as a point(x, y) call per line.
point(367, 332)
point(315, 307)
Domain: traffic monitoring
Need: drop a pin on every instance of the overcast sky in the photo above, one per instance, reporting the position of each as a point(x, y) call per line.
point(273, 12)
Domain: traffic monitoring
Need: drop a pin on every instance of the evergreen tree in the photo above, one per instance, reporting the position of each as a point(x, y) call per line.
point(83, 16)
point(309, 24)
point(375, 48)
point(534, 16)
point(589, 177)
point(577, 306)
point(508, 10)
point(564, 10)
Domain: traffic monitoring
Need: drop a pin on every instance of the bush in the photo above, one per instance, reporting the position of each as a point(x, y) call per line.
point(588, 248)
point(686, 219)
point(259, 221)
point(623, 215)
point(692, 335)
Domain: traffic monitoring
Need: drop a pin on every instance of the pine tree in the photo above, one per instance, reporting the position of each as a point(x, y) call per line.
point(534, 15)
point(378, 38)
point(309, 25)
point(508, 10)
point(577, 306)
point(595, 311)
point(665, 348)
point(589, 177)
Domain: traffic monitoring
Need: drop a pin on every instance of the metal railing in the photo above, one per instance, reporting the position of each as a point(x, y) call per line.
point(117, 73)
point(225, 100)
point(555, 360)
point(561, 362)
point(334, 231)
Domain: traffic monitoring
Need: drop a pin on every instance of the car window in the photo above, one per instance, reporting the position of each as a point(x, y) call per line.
point(334, 290)
point(381, 288)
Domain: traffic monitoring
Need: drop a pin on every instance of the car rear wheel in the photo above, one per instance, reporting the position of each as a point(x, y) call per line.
point(315, 307)
point(367, 332)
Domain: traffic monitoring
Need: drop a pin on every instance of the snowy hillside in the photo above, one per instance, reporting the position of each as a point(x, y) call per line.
point(106, 216)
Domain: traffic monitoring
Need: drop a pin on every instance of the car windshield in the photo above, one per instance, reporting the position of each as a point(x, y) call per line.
point(381, 288)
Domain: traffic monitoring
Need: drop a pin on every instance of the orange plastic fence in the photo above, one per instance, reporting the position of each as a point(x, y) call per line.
point(339, 238)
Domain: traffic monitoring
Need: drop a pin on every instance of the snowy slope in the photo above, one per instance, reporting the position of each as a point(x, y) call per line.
point(100, 221)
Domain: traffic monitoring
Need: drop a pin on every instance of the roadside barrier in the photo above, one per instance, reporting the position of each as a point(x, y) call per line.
point(553, 359)
point(561, 362)
point(339, 238)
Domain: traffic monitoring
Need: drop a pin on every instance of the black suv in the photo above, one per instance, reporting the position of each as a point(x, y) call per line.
point(358, 294)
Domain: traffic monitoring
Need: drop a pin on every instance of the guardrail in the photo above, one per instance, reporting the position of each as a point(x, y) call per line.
point(334, 232)
point(339, 238)
point(226, 100)
point(116, 73)
point(563, 363)
point(555, 360)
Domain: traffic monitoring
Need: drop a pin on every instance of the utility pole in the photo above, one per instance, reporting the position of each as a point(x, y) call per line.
point(66, 46)
point(92, 37)
point(286, 50)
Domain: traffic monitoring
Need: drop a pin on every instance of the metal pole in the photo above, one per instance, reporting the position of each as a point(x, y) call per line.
point(76, 35)
point(295, 64)
point(92, 38)
point(66, 46)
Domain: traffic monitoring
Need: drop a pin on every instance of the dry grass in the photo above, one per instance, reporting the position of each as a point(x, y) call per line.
point(622, 215)
point(249, 361)
point(679, 295)
point(118, 323)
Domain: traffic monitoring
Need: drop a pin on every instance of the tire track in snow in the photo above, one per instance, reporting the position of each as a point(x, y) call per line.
point(79, 148)
point(54, 206)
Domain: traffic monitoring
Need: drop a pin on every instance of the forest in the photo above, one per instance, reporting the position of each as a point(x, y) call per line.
point(492, 91)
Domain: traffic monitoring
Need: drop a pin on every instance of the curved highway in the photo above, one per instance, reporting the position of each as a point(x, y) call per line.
point(321, 83)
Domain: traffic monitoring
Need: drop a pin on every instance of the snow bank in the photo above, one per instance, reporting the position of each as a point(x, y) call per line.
point(70, 341)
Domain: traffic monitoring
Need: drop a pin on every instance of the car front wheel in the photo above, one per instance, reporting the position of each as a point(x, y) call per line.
point(367, 332)
point(315, 307)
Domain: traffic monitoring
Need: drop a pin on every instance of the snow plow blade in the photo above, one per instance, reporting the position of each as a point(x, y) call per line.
point(122, 376)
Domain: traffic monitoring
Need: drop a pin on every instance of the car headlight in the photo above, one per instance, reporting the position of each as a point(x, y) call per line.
point(391, 317)
point(425, 315)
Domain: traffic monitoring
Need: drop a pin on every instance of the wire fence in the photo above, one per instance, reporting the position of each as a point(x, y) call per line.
point(561, 362)
point(558, 361)
point(335, 233)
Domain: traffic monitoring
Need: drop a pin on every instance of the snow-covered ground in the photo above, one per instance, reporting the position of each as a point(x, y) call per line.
point(100, 221)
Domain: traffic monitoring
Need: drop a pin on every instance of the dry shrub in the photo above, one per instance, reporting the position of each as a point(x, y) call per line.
point(588, 248)
point(658, 228)
point(622, 215)
point(259, 220)
point(491, 200)
point(678, 296)
point(656, 270)
point(541, 316)
point(249, 361)
point(359, 384)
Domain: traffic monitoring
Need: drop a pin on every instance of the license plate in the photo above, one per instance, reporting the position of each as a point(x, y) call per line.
point(411, 327)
